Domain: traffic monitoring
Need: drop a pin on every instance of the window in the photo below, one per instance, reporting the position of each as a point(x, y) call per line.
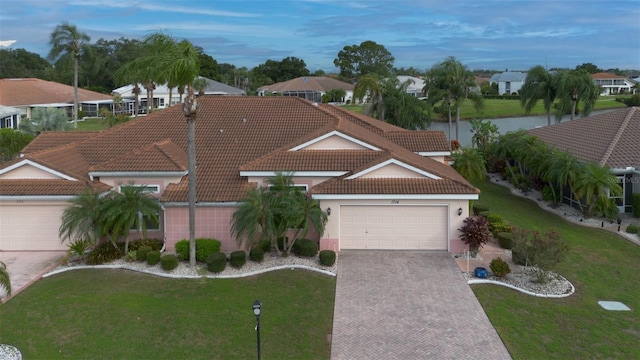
point(302, 187)
point(150, 225)
point(151, 189)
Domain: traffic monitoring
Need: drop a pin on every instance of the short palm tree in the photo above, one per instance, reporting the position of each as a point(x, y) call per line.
point(66, 39)
point(252, 219)
point(595, 184)
point(5, 282)
point(83, 218)
point(369, 87)
point(575, 87)
point(470, 163)
point(565, 169)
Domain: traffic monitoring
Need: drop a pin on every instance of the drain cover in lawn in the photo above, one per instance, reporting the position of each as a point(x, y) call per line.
point(614, 305)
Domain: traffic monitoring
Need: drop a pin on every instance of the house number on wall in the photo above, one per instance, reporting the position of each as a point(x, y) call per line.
point(395, 202)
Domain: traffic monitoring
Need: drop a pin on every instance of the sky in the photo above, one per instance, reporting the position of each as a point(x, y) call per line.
point(482, 34)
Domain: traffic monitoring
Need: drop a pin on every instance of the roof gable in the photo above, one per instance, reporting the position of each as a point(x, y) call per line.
point(27, 169)
point(392, 168)
point(335, 140)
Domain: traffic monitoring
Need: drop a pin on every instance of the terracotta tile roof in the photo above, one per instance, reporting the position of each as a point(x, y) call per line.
point(47, 187)
point(32, 91)
point(420, 141)
point(232, 132)
point(393, 186)
point(609, 139)
point(315, 83)
point(49, 139)
point(603, 75)
point(158, 157)
point(314, 160)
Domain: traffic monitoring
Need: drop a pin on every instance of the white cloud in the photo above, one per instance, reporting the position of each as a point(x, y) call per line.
point(7, 43)
point(166, 8)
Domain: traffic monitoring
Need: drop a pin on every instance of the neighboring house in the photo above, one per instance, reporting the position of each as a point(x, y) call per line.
point(26, 94)
point(416, 88)
point(385, 187)
point(612, 84)
point(161, 93)
point(9, 117)
point(509, 82)
point(308, 87)
point(611, 139)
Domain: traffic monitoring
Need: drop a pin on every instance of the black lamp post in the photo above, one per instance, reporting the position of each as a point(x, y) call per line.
point(257, 308)
point(619, 222)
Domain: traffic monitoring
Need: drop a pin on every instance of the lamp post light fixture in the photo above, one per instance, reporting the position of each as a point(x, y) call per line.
point(460, 212)
point(328, 211)
point(257, 309)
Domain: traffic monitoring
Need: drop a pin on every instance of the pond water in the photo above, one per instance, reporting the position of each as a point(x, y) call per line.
point(504, 125)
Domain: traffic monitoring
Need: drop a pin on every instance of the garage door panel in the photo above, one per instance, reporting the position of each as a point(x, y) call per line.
point(394, 227)
point(30, 227)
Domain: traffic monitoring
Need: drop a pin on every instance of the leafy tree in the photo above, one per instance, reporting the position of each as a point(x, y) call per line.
point(46, 119)
point(126, 210)
point(11, 142)
point(66, 39)
point(273, 71)
point(544, 251)
point(452, 82)
point(574, 87)
point(411, 71)
point(470, 163)
point(334, 95)
point(83, 219)
point(475, 232)
point(368, 58)
point(488, 89)
point(5, 282)
point(402, 109)
point(20, 63)
point(595, 184)
point(208, 65)
point(589, 67)
point(539, 84)
point(484, 134)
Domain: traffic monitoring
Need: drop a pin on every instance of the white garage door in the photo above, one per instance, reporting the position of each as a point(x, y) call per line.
point(30, 227)
point(393, 227)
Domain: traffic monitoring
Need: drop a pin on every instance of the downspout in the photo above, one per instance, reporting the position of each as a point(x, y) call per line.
point(164, 229)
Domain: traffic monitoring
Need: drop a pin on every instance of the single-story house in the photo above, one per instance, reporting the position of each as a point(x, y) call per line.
point(384, 187)
point(612, 84)
point(611, 139)
point(415, 88)
point(161, 93)
point(9, 117)
point(509, 82)
point(26, 94)
point(308, 87)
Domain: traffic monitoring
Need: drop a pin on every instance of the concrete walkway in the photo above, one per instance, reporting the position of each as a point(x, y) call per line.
point(25, 267)
point(408, 305)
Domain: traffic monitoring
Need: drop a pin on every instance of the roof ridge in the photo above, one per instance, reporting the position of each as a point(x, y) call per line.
point(160, 146)
point(616, 138)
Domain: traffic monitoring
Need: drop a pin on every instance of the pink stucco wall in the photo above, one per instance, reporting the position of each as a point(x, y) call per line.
point(457, 246)
point(211, 222)
point(329, 244)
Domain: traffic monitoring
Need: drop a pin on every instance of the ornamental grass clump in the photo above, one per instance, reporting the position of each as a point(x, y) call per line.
point(475, 232)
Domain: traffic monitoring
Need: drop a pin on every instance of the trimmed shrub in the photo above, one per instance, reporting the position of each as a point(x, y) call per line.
point(497, 224)
point(264, 245)
point(632, 229)
point(182, 249)
point(518, 259)
point(105, 252)
point(478, 208)
point(237, 259)
point(484, 214)
point(505, 239)
point(499, 267)
point(635, 204)
point(256, 254)
point(153, 257)
point(141, 253)
point(169, 262)
point(155, 244)
point(305, 248)
point(216, 262)
point(206, 247)
point(327, 257)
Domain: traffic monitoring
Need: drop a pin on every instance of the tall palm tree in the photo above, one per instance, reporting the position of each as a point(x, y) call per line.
point(576, 86)
point(565, 169)
point(595, 184)
point(67, 40)
point(82, 219)
point(470, 163)
point(369, 87)
point(5, 282)
point(131, 208)
point(539, 84)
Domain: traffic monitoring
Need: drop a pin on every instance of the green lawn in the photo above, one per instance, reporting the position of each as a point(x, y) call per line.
point(601, 265)
point(118, 314)
point(91, 124)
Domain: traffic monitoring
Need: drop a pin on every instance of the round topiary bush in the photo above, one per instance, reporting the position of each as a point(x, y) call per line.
point(518, 259)
point(141, 253)
point(478, 208)
point(169, 262)
point(632, 229)
point(153, 257)
point(206, 247)
point(505, 239)
point(256, 254)
point(499, 267)
point(216, 262)
point(265, 245)
point(327, 257)
point(305, 248)
point(237, 259)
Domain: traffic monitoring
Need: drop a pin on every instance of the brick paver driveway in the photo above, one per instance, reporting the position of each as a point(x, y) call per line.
point(408, 305)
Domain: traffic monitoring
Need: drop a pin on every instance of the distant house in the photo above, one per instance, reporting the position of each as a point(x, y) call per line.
point(609, 139)
point(9, 117)
point(161, 93)
point(308, 87)
point(25, 94)
point(509, 82)
point(612, 84)
point(414, 89)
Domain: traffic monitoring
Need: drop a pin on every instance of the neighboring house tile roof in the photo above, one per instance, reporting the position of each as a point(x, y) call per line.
point(508, 76)
point(603, 75)
point(315, 83)
point(50, 139)
point(32, 91)
point(254, 133)
point(610, 139)
point(47, 187)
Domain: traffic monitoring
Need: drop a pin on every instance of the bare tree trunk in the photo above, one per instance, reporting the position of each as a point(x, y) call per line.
point(190, 108)
point(75, 91)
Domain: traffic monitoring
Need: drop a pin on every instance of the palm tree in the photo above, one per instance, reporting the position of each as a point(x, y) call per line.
point(252, 219)
point(470, 163)
point(369, 87)
point(539, 84)
point(131, 208)
point(576, 86)
point(565, 169)
point(66, 39)
point(5, 282)
point(595, 185)
point(46, 119)
point(83, 218)
point(200, 84)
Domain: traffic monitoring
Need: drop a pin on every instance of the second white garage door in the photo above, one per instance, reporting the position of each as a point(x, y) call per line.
point(393, 227)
